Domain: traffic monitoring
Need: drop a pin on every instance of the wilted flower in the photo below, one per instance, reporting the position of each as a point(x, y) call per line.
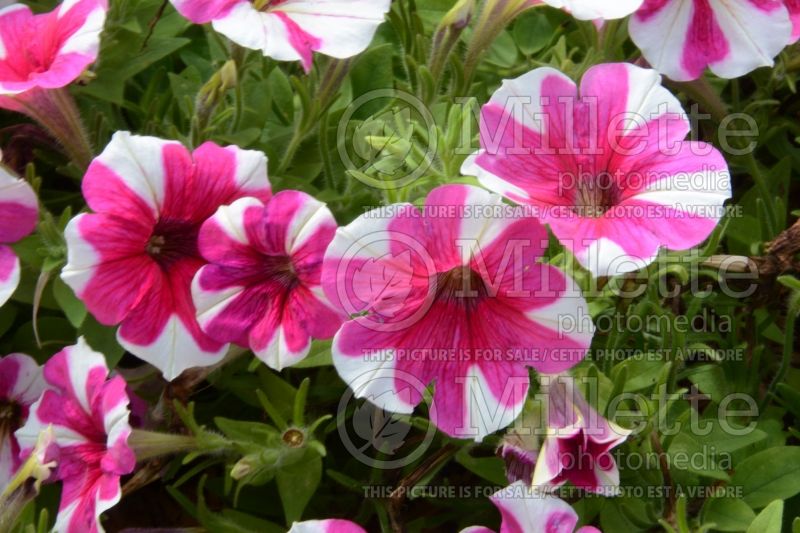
point(451, 294)
point(607, 168)
point(132, 261)
point(88, 413)
point(578, 445)
point(680, 38)
point(263, 289)
point(291, 30)
point(529, 510)
point(19, 212)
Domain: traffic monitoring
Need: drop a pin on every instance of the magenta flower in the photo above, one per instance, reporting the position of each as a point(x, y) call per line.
point(40, 55)
point(21, 384)
point(578, 445)
point(452, 294)
point(528, 510)
point(50, 50)
point(133, 260)
point(680, 38)
point(291, 30)
point(89, 416)
point(597, 9)
point(19, 213)
point(263, 288)
point(608, 168)
point(326, 526)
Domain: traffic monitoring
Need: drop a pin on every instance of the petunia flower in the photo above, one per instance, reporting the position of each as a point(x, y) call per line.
point(132, 261)
point(262, 288)
point(454, 295)
point(88, 413)
point(528, 510)
point(291, 30)
point(21, 384)
point(19, 213)
point(40, 54)
point(680, 38)
point(331, 525)
point(597, 9)
point(578, 444)
point(607, 167)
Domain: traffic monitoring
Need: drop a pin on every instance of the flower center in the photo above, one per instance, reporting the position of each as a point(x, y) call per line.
point(281, 269)
point(593, 197)
point(172, 240)
point(462, 286)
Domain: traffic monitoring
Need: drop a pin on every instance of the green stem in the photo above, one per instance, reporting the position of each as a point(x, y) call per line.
point(56, 111)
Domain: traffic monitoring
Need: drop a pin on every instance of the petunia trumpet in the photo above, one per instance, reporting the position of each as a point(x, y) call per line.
point(88, 413)
point(606, 166)
point(40, 55)
point(452, 294)
point(262, 286)
point(579, 440)
point(132, 260)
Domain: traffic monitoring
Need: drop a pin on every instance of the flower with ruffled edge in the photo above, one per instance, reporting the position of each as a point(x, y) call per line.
point(19, 213)
point(451, 294)
point(21, 384)
point(681, 38)
point(132, 261)
point(607, 167)
point(528, 510)
point(262, 288)
point(40, 54)
point(88, 413)
point(579, 441)
point(291, 30)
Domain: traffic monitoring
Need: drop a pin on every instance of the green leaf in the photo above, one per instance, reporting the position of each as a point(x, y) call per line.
point(371, 72)
point(102, 339)
point(769, 520)
point(772, 474)
point(73, 308)
point(297, 484)
point(489, 468)
point(729, 514)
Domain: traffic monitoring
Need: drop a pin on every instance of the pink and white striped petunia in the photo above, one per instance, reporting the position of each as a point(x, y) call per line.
point(579, 441)
point(597, 9)
point(451, 294)
point(331, 525)
point(21, 384)
point(607, 167)
point(132, 261)
point(49, 50)
point(527, 510)
point(680, 38)
point(291, 30)
point(88, 413)
point(262, 288)
point(19, 213)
